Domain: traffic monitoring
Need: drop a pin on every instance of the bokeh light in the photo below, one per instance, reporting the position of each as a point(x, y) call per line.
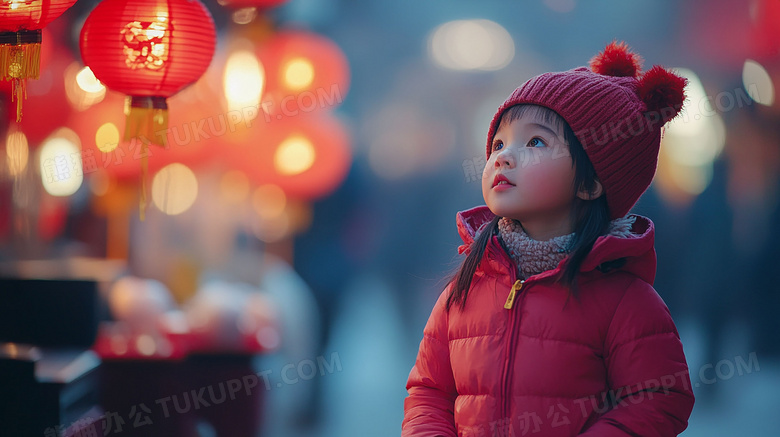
point(145, 345)
point(17, 152)
point(690, 145)
point(174, 189)
point(244, 15)
point(82, 88)
point(698, 131)
point(107, 137)
point(244, 80)
point(60, 163)
point(298, 73)
point(87, 81)
point(758, 83)
point(294, 155)
point(471, 45)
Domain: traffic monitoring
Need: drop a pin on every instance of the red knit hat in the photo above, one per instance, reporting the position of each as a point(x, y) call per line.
point(615, 111)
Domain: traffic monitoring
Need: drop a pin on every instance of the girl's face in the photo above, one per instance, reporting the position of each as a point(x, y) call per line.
point(529, 175)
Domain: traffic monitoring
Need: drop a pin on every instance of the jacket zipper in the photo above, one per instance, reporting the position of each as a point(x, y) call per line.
point(506, 383)
point(517, 285)
point(510, 300)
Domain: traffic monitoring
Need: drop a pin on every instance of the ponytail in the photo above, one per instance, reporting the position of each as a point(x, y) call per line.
point(462, 278)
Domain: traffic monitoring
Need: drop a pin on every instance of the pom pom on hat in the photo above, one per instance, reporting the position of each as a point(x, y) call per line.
point(616, 60)
point(662, 91)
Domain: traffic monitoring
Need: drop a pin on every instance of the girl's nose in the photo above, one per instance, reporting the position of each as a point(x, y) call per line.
point(504, 158)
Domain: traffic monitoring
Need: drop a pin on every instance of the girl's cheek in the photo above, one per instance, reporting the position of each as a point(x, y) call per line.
point(546, 177)
point(486, 169)
point(536, 173)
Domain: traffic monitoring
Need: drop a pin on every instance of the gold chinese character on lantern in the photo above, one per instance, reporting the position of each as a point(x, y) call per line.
point(145, 44)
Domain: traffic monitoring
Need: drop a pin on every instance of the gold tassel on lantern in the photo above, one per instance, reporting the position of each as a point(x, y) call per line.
point(146, 121)
point(20, 59)
point(146, 118)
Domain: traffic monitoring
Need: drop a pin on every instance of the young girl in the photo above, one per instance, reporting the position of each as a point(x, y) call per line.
point(506, 352)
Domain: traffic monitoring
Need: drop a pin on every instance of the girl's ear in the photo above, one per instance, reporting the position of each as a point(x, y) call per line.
point(598, 190)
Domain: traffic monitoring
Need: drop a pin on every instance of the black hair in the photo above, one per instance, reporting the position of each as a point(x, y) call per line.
point(590, 217)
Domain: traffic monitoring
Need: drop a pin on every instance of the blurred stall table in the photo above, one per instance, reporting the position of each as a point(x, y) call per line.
point(172, 381)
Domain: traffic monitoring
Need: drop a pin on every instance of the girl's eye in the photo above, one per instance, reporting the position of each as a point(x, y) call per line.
point(497, 145)
point(536, 142)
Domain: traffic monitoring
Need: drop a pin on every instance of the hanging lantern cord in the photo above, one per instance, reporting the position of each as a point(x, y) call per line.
point(146, 120)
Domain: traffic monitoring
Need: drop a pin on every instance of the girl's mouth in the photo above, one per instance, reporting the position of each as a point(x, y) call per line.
point(501, 181)
point(502, 186)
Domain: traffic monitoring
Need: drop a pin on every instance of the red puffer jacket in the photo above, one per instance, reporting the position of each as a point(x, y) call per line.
point(610, 365)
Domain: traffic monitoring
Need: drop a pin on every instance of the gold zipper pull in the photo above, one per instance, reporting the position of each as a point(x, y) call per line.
point(510, 300)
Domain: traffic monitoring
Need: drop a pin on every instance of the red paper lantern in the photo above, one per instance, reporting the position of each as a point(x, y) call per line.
point(21, 22)
point(149, 50)
point(305, 72)
point(307, 156)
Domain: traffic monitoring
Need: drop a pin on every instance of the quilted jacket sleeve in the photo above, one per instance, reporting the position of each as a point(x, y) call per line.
point(646, 370)
point(428, 410)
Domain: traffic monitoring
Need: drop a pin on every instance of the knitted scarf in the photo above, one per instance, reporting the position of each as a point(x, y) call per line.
point(533, 256)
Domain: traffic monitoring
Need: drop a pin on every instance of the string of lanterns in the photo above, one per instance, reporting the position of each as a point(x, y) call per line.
point(152, 93)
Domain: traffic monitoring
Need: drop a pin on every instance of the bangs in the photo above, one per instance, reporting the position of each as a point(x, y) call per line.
point(537, 113)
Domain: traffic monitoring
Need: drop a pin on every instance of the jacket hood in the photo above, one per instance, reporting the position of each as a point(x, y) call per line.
point(638, 249)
